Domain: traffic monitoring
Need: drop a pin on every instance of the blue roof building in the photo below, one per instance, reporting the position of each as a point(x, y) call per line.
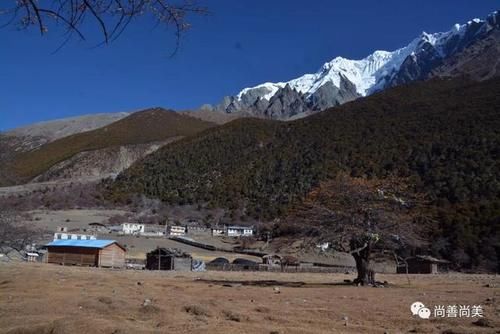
point(95, 253)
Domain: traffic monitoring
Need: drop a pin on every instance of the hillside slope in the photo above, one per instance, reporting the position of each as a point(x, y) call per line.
point(442, 135)
point(480, 61)
point(35, 135)
point(435, 131)
point(99, 164)
point(147, 126)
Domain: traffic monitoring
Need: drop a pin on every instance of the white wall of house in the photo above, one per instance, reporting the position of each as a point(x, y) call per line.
point(216, 232)
point(177, 230)
point(73, 236)
point(239, 231)
point(131, 228)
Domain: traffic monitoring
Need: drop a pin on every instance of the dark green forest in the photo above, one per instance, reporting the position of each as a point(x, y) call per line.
point(443, 135)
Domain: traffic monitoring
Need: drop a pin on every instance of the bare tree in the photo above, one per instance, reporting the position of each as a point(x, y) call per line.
point(111, 16)
point(360, 216)
point(15, 234)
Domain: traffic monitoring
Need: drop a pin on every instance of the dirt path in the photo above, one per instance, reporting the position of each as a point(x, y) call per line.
point(41, 298)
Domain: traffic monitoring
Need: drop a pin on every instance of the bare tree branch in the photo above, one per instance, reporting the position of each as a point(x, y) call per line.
point(111, 16)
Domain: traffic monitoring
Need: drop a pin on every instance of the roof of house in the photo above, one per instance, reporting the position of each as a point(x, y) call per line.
point(271, 256)
point(240, 227)
point(169, 252)
point(430, 259)
point(82, 243)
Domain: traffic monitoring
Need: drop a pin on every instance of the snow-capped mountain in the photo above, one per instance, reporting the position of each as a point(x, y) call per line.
point(341, 80)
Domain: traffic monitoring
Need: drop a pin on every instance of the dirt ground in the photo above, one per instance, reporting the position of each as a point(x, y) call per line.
point(43, 298)
point(72, 219)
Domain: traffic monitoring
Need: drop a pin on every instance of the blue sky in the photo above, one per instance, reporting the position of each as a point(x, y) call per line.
point(243, 43)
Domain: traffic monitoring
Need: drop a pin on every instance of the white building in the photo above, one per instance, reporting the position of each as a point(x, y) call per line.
point(176, 230)
point(154, 231)
point(217, 231)
point(32, 256)
point(239, 231)
point(197, 230)
point(132, 228)
point(73, 236)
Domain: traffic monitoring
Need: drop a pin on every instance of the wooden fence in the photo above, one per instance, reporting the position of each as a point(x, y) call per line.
point(274, 268)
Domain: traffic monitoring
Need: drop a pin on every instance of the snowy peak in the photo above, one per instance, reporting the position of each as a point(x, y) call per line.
point(341, 80)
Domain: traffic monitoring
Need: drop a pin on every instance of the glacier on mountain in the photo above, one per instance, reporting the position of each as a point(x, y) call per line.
point(369, 74)
point(342, 80)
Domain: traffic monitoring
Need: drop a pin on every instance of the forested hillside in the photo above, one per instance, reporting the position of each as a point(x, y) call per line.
point(442, 135)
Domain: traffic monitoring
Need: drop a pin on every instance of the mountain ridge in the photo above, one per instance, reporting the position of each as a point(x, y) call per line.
point(141, 127)
point(377, 71)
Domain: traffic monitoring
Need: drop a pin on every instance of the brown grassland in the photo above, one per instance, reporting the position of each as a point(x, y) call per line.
point(42, 298)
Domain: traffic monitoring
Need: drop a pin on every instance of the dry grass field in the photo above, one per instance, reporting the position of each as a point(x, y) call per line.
point(41, 298)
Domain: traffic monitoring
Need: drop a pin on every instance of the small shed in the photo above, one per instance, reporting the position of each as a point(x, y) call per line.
point(272, 259)
point(32, 256)
point(168, 259)
point(94, 253)
point(423, 264)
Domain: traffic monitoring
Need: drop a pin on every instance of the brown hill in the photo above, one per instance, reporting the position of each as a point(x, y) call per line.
point(151, 125)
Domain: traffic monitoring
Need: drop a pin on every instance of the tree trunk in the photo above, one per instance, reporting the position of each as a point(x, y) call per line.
point(362, 266)
point(361, 253)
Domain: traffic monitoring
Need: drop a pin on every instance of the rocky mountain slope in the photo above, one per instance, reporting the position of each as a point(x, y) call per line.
point(98, 164)
point(480, 61)
point(35, 135)
point(342, 80)
point(92, 148)
point(441, 136)
point(205, 113)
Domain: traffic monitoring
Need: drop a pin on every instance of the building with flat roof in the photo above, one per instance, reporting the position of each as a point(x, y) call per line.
point(176, 230)
point(132, 228)
point(239, 231)
point(93, 253)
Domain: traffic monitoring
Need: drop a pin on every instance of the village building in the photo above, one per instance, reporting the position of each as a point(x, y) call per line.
point(196, 230)
point(154, 231)
point(272, 260)
point(217, 231)
point(423, 264)
point(239, 231)
point(168, 259)
point(73, 236)
point(176, 230)
point(63, 234)
point(95, 253)
point(32, 257)
point(132, 228)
